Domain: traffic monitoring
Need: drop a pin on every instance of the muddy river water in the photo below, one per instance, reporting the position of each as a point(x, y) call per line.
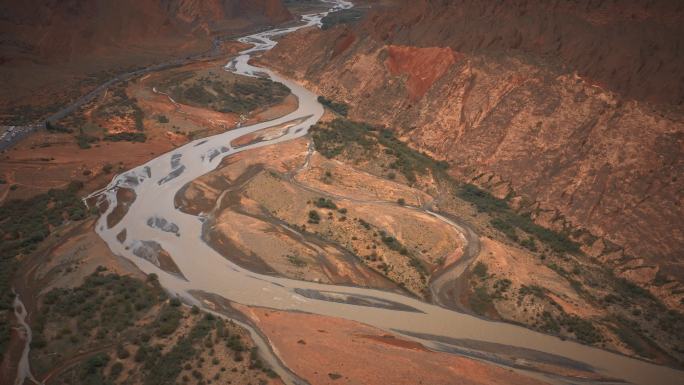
point(205, 270)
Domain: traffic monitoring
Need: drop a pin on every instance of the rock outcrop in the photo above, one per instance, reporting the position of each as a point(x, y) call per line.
point(478, 83)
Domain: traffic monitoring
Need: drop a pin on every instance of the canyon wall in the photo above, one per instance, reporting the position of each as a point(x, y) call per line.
point(633, 47)
point(577, 145)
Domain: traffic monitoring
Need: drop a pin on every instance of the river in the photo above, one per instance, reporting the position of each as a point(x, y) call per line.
point(205, 270)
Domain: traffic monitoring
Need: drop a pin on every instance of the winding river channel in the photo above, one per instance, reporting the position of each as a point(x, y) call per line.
point(205, 271)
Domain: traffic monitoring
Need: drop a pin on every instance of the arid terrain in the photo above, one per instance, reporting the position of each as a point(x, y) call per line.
point(420, 192)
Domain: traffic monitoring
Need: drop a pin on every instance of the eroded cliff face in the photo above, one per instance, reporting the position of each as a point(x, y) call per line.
point(631, 47)
point(573, 153)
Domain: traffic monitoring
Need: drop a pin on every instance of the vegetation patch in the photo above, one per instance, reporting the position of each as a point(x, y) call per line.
point(334, 138)
point(344, 16)
point(132, 323)
point(507, 221)
point(210, 90)
point(480, 300)
point(126, 137)
point(23, 225)
point(296, 261)
point(338, 108)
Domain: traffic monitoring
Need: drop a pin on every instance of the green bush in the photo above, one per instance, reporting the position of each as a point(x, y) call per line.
point(84, 140)
point(323, 203)
point(344, 16)
point(296, 261)
point(480, 300)
point(506, 220)
point(314, 218)
point(338, 108)
point(505, 228)
point(24, 223)
point(54, 127)
point(126, 137)
point(480, 270)
point(168, 320)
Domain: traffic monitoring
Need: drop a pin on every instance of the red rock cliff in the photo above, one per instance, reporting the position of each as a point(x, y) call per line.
point(576, 141)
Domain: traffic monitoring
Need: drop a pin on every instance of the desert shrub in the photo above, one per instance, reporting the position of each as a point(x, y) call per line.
point(168, 320)
point(549, 323)
point(631, 338)
point(344, 16)
point(480, 270)
point(84, 140)
point(338, 108)
point(392, 242)
point(126, 137)
point(502, 285)
point(323, 203)
point(506, 220)
point(24, 223)
point(583, 330)
point(314, 217)
point(296, 261)
point(534, 290)
point(482, 200)
point(480, 300)
point(504, 227)
point(54, 127)
point(236, 97)
point(529, 244)
point(91, 369)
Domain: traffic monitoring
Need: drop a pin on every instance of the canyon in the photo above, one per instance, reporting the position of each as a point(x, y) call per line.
point(467, 192)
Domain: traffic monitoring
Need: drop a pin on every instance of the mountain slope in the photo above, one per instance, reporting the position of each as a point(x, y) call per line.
point(53, 51)
point(597, 161)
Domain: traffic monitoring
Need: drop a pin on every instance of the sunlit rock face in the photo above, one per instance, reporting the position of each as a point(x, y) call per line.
point(569, 106)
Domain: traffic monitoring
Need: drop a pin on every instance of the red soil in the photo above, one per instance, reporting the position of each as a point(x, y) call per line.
point(423, 66)
point(325, 350)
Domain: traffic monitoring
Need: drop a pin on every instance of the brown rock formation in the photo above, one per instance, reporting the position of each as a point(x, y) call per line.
point(632, 47)
point(577, 153)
